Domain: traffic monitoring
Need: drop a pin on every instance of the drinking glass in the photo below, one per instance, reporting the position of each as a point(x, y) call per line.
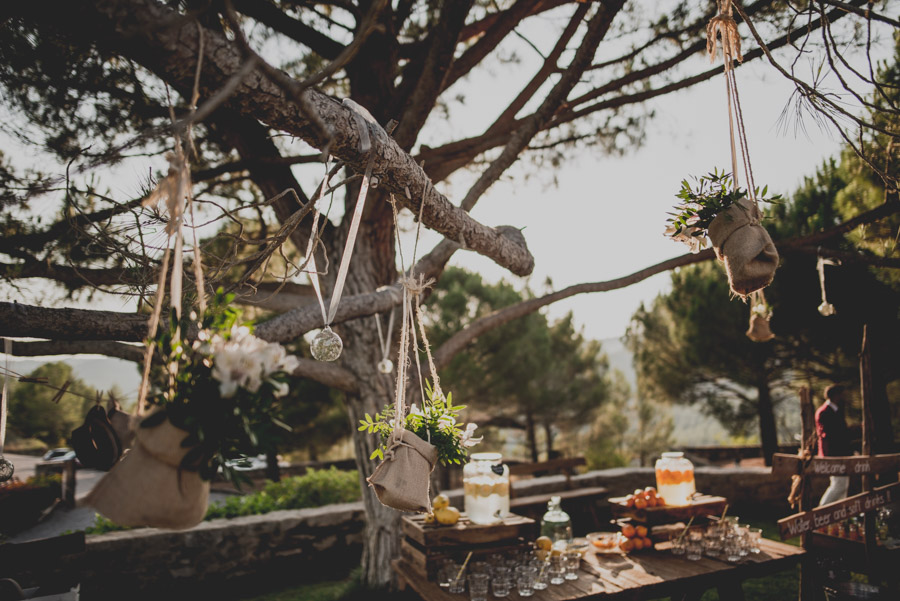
point(693, 550)
point(457, 582)
point(525, 576)
point(678, 543)
point(732, 549)
point(557, 570)
point(480, 567)
point(447, 571)
point(542, 576)
point(501, 583)
point(571, 563)
point(478, 587)
point(755, 535)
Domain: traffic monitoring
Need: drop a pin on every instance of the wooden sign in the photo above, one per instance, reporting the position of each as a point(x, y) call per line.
point(788, 465)
point(806, 522)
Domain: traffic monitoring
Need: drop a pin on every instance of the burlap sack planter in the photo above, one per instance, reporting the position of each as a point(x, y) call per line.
point(744, 246)
point(403, 480)
point(147, 488)
point(759, 330)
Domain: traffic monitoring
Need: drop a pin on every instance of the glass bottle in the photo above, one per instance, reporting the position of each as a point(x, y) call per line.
point(675, 479)
point(486, 488)
point(556, 523)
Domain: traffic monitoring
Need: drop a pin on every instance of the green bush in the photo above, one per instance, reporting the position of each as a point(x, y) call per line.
point(313, 489)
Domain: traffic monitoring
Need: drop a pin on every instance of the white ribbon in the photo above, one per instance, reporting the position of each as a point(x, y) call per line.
point(365, 146)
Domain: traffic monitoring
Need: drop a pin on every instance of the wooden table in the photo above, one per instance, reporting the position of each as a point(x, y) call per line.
point(642, 575)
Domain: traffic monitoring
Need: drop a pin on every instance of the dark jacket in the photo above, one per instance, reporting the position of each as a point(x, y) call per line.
point(834, 437)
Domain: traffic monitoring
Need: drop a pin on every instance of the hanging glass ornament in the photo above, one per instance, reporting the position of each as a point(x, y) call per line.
point(7, 469)
point(826, 309)
point(386, 366)
point(326, 346)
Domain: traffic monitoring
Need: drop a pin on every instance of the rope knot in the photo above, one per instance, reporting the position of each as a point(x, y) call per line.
point(724, 24)
point(416, 286)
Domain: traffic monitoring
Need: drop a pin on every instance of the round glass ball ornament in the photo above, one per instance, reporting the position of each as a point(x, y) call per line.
point(7, 469)
point(827, 309)
point(326, 346)
point(386, 366)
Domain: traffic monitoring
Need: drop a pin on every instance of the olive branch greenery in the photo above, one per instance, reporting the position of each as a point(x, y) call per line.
point(709, 196)
point(435, 423)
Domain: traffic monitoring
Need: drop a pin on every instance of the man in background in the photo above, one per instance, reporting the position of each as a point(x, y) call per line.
point(834, 439)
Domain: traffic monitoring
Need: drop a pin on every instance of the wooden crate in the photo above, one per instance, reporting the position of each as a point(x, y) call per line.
point(424, 546)
point(700, 507)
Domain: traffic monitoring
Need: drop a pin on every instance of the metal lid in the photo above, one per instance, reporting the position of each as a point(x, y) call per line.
point(486, 456)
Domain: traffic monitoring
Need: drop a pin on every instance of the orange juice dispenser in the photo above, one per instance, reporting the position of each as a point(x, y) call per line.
point(675, 479)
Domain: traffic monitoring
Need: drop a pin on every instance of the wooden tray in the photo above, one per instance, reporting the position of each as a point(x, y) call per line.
point(701, 506)
point(465, 532)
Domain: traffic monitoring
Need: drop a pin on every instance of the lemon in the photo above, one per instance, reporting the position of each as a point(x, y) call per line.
point(544, 543)
point(429, 518)
point(440, 502)
point(447, 515)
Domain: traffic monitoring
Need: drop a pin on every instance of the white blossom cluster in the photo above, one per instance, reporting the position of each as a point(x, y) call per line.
point(687, 235)
point(245, 361)
point(446, 422)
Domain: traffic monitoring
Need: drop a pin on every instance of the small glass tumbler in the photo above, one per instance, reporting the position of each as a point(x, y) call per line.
point(525, 576)
point(755, 535)
point(557, 570)
point(693, 550)
point(678, 543)
point(732, 549)
point(501, 584)
point(542, 576)
point(478, 587)
point(457, 583)
point(571, 563)
point(447, 571)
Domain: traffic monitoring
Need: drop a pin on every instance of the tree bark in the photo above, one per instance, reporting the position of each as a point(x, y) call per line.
point(768, 433)
point(548, 435)
point(531, 432)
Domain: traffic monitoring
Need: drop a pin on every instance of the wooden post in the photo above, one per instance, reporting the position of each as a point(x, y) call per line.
point(868, 442)
point(807, 432)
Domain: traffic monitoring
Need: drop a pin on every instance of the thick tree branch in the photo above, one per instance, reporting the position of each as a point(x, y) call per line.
point(165, 43)
point(272, 16)
point(423, 78)
point(108, 348)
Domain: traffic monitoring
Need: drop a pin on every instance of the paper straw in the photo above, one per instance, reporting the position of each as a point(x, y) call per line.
point(462, 569)
point(686, 528)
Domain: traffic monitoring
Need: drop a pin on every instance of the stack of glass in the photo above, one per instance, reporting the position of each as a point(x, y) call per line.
point(726, 539)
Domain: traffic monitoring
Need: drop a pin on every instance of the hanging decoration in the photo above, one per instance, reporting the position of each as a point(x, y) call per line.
point(327, 345)
point(385, 366)
point(760, 316)
point(413, 442)
point(718, 207)
point(7, 469)
point(826, 309)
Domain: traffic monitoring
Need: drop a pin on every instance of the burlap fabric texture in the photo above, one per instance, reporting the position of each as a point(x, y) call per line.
point(744, 246)
point(147, 488)
point(403, 480)
point(759, 330)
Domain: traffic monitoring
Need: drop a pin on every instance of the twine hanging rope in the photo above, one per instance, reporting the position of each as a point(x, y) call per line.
point(723, 25)
point(413, 288)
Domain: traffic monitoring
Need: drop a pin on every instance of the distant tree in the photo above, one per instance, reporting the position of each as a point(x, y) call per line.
point(33, 414)
point(652, 432)
point(528, 374)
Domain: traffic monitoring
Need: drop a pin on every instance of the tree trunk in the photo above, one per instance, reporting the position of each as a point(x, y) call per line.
point(768, 433)
point(548, 434)
point(532, 436)
point(273, 472)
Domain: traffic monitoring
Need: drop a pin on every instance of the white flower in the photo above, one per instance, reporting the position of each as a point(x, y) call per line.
point(414, 410)
point(281, 388)
point(467, 440)
point(446, 422)
point(670, 230)
point(692, 219)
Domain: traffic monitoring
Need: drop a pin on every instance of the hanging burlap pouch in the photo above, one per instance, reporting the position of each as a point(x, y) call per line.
point(403, 480)
point(147, 488)
point(759, 330)
point(744, 246)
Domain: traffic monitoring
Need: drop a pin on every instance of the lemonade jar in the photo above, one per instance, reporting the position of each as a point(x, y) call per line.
point(486, 487)
point(675, 479)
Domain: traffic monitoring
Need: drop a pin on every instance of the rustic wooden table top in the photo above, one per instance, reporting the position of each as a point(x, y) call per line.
point(642, 575)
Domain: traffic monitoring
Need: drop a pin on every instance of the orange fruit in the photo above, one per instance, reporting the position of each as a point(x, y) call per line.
point(628, 531)
point(638, 543)
point(650, 491)
point(651, 501)
point(660, 501)
point(627, 545)
point(638, 492)
point(648, 544)
point(641, 531)
point(640, 503)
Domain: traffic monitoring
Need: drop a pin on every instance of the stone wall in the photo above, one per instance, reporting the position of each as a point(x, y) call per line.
point(311, 544)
